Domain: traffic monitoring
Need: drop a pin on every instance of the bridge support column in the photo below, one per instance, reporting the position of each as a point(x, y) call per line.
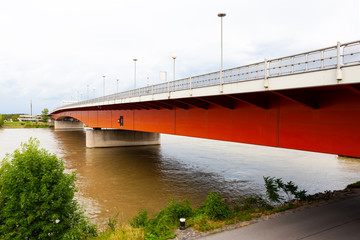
point(120, 138)
point(68, 125)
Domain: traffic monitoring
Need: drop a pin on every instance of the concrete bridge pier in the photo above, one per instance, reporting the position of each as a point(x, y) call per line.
point(120, 138)
point(68, 124)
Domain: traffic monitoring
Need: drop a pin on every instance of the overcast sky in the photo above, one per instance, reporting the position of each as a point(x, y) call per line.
point(50, 50)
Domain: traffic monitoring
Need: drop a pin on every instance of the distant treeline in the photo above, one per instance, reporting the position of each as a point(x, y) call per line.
point(11, 116)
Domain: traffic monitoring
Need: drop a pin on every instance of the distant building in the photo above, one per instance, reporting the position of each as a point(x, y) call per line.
point(30, 118)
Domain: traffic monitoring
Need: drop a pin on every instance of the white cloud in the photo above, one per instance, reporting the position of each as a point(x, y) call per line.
point(51, 50)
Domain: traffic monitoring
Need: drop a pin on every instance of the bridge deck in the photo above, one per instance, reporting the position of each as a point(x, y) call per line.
point(317, 109)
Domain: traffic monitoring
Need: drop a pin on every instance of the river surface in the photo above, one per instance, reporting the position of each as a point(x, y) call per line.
point(128, 179)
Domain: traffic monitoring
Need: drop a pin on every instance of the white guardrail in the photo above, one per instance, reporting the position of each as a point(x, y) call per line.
point(333, 57)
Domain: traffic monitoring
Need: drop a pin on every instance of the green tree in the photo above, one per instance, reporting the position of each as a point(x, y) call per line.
point(37, 197)
point(1, 120)
point(14, 119)
point(273, 186)
point(45, 115)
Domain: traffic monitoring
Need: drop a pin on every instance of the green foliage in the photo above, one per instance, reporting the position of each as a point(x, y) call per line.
point(202, 223)
point(178, 209)
point(252, 202)
point(215, 207)
point(162, 224)
point(1, 120)
point(160, 228)
point(44, 115)
point(112, 222)
point(37, 197)
point(14, 119)
point(36, 125)
point(354, 185)
point(140, 220)
point(272, 190)
point(273, 186)
point(8, 117)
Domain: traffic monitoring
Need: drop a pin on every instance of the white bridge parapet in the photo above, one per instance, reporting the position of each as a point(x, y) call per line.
point(334, 65)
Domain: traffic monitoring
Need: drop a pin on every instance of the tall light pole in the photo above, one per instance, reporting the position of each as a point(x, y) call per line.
point(221, 15)
point(174, 57)
point(117, 85)
point(103, 86)
point(135, 72)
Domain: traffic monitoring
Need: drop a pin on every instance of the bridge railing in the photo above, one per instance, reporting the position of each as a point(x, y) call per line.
point(322, 59)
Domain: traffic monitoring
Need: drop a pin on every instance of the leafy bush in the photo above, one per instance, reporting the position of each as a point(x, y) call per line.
point(160, 228)
point(178, 209)
point(274, 185)
point(140, 220)
point(37, 197)
point(215, 207)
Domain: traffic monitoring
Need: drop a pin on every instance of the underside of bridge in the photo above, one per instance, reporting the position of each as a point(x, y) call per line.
point(321, 119)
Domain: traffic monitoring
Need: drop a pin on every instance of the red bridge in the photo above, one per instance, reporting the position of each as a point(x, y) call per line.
point(308, 101)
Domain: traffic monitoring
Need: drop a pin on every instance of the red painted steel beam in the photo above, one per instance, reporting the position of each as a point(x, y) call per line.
point(257, 100)
point(354, 88)
point(195, 102)
point(287, 122)
point(222, 101)
point(303, 96)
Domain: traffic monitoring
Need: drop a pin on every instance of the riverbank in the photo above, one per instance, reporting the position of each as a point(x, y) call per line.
point(26, 125)
point(319, 200)
point(201, 227)
point(334, 219)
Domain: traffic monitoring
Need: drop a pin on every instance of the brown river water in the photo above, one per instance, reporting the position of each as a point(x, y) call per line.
point(128, 179)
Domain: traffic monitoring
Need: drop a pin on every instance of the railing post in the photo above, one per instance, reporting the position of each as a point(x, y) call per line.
point(221, 81)
point(266, 83)
point(190, 79)
point(168, 87)
point(338, 65)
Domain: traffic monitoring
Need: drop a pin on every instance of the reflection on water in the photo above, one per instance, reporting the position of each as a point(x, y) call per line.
point(128, 179)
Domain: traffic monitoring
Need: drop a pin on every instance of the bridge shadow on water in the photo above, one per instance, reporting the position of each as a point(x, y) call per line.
point(128, 179)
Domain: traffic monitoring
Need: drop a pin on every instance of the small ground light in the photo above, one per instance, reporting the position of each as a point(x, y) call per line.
point(182, 223)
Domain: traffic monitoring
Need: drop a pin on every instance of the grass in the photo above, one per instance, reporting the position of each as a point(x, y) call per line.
point(122, 232)
point(26, 125)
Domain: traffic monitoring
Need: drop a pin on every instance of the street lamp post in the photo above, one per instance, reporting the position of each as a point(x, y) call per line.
point(221, 15)
point(174, 57)
point(103, 86)
point(117, 85)
point(135, 72)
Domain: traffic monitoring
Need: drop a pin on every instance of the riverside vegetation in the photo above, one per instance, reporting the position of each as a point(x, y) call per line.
point(37, 197)
point(37, 202)
point(27, 125)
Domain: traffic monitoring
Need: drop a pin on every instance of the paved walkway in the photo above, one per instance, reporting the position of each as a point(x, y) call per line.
point(338, 220)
